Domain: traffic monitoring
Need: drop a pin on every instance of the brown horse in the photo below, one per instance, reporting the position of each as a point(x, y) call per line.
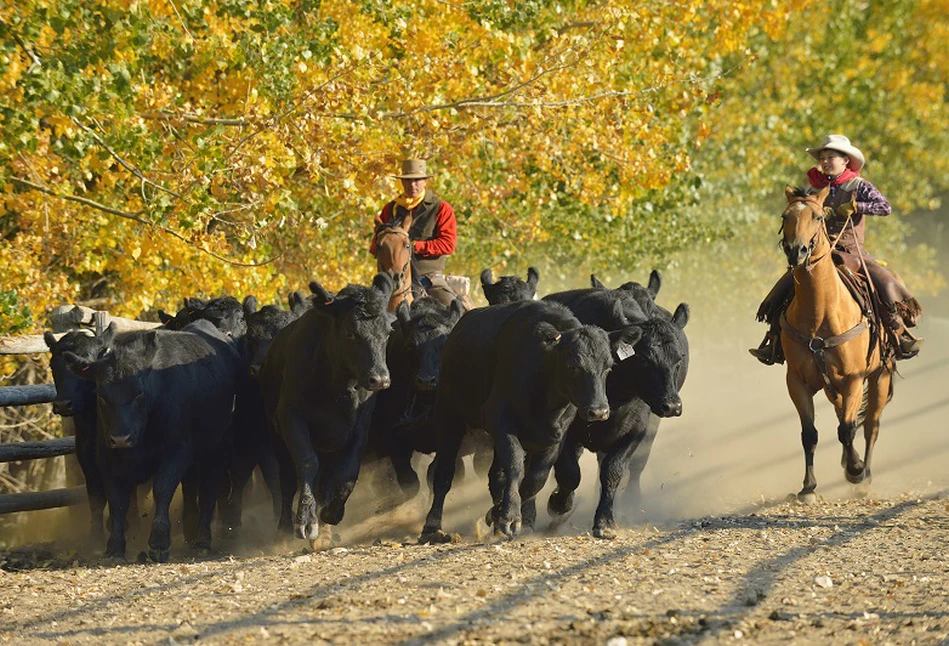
point(394, 256)
point(828, 344)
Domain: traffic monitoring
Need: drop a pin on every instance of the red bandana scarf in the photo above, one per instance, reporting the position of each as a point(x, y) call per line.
point(819, 180)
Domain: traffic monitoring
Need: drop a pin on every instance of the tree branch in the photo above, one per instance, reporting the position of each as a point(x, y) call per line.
point(124, 163)
point(135, 217)
point(167, 115)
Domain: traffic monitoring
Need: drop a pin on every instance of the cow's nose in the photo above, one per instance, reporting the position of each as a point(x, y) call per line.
point(671, 408)
point(123, 442)
point(63, 407)
point(379, 382)
point(596, 414)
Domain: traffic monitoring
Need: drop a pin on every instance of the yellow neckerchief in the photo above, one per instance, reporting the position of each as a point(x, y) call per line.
point(409, 203)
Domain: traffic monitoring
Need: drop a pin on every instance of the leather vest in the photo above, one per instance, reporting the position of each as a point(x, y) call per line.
point(423, 228)
point(835, 224)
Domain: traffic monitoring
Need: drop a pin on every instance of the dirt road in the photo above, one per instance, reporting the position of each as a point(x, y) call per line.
point(717, 555)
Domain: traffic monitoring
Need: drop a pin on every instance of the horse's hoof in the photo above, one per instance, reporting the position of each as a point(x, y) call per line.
point(435, 537)
point(606, 533)
point(807, 497)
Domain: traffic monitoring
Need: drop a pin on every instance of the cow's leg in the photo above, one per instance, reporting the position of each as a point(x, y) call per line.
point(451, 431)
point(236, 478)
point(338, 478)
point(296, 435)
point(190, 512)
point(209, 481)
point(632, 498)
point(119, 495)
point(95, 485)
point(509, 455)
point(288, 485)
point(164, 483)
point(567, 475)
point(496, 480)
point(848, 408)
point(536, 471)
point(401, 459)
point(613, 466)
point(803, 400)
point(270, 472)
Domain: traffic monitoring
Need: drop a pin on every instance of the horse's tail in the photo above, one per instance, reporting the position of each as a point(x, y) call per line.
point(862, 413)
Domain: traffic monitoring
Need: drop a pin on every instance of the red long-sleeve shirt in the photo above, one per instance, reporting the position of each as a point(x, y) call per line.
point(446, 232)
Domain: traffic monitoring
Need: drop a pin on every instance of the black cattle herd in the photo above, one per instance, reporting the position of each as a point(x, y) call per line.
point(307, 395)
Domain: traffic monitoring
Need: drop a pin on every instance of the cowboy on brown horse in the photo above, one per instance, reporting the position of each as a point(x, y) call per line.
point(433, 231)
point(851, 198)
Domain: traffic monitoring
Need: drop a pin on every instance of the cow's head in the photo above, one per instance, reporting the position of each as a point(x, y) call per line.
point(122, 402)
point(657, 368)
point(582, 358)
point(74, 396)
point(359, 328)
point(226, 313)
point(424, 329)
point(509, 289)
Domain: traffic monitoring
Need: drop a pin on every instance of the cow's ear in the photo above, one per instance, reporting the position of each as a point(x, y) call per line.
point(108, 336)
point(165, 317)
point(195, 304)
point(250, 305)
point(151, 347)
point(80, 366)
point(487, 278)
point(681, 316)
point(547, 333)
point(296, 302)
point(595, 282)
point(403, 314)
point(383, 283)
point(50, 340)
point(623, 342)
point(455, 309)
point(655, 283)
point(533, 277)
point(323, 297)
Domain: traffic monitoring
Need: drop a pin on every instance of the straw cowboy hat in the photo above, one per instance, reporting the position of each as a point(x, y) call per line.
point(413, 169)
point(842, 145)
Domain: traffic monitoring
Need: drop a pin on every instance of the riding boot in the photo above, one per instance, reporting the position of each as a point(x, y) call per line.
point(770, 351)
point(908, 345)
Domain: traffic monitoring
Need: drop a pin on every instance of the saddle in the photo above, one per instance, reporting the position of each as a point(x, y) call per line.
point(859, 286)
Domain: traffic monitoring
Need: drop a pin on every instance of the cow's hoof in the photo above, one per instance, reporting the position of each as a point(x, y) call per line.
point(855, 477)
point(606, 533)
point(807, 497)
point(560, 505)
point(489, 517)
point(158, 555)
point(310, 531)
point(434, 537)
point(510, 528)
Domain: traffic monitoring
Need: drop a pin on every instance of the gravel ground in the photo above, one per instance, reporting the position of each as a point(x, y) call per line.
point(847, 572)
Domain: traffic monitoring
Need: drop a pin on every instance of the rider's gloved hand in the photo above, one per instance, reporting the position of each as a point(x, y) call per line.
point(847, 209)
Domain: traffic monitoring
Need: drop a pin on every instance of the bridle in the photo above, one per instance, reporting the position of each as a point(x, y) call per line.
point(812, 262)
point(388, 229)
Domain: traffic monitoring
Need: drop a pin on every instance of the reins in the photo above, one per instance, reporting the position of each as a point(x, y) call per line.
point(390, 229)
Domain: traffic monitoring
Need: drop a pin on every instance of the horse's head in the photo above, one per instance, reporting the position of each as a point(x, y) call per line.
point(804, 236)
point(394, 256)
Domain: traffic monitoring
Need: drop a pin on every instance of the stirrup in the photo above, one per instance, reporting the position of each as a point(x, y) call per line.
point(909, 345)
point(766, 352)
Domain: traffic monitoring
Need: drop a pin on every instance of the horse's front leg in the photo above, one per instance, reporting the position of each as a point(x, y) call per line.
point(803, 399)
point(848, 408)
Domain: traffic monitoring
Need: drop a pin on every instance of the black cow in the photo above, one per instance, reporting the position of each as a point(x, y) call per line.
point(165, 402)
point(76, 398)
point(520, 371)
point(264, 324)
point(642, 389)
point(401, 422)
point(509, 289)
point(226, 313)
point(318, 381)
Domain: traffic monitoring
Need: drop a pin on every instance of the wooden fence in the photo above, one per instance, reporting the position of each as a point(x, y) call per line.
point(62, 320)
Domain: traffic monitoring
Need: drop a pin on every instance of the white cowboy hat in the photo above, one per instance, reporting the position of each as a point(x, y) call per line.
point(842, 145)
point(413, 169)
